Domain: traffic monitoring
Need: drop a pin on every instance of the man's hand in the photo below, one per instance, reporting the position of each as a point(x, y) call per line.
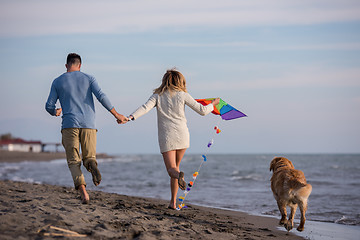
point(121, 119)
point(58, 112)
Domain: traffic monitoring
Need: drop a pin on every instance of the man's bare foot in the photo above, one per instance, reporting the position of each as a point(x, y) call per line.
point(85, 199)
point(96, 176)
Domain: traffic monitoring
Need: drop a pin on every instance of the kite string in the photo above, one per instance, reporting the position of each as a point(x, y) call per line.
point(191, 183)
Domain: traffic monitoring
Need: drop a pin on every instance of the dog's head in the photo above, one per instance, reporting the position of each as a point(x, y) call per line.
point(280, 162)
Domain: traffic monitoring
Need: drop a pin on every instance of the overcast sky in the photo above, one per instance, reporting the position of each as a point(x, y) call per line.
point(292, 66)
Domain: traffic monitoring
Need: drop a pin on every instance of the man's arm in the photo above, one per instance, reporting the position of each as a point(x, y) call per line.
point(100, 95)
point(103, 99)
point(51, 101)
point(121, 119)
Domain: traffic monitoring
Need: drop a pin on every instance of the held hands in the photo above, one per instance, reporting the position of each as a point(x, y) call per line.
point(129, 118)
point(216, 101)
point(121, 119)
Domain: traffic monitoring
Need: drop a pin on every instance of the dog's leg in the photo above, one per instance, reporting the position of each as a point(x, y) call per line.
point(303, 208)
point(282, 209)
point(290, 223)
point(303, 204)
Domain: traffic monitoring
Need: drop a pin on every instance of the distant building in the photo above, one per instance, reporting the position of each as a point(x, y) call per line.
point(20, 145)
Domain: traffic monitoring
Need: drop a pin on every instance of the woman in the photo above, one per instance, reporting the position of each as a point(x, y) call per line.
point(173, 134)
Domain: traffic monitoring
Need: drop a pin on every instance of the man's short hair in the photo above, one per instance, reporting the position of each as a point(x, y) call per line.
point(73, 58)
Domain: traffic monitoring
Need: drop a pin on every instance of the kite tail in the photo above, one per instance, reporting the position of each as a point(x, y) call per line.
point(195, 174)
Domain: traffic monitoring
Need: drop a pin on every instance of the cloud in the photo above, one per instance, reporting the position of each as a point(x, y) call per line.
point(259, 46)
point(323, 46)
point(206, 45)
point(290, 77)
point(121, 67)
point(41, 17)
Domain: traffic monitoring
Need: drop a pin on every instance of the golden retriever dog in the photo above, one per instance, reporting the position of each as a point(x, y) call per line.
point(290, 189)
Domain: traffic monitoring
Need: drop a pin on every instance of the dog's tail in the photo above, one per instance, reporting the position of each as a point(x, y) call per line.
point(304, 192)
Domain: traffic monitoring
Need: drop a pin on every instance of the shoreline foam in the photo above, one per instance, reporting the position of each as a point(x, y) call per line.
point(14, 156)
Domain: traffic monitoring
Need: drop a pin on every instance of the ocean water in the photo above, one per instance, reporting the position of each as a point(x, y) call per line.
point(237, 182)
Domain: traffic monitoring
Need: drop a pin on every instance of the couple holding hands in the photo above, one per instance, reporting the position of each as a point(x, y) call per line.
point(75, 90)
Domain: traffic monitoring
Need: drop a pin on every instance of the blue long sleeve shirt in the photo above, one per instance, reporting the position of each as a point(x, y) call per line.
point(74, 91)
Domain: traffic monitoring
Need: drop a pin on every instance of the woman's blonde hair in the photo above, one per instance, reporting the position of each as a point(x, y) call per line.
point(172, 81)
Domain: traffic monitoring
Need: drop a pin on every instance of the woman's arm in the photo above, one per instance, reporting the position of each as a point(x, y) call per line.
point(145, 108)
point(198, 107)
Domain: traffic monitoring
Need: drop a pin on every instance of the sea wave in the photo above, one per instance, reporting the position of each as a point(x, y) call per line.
point(347, 221)
point(6, 169)
point(20, 179)
point(250, 177)
point(122, 159)
point(58, 161)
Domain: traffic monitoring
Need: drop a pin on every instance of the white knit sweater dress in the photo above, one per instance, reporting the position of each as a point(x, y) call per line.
point(173, 132)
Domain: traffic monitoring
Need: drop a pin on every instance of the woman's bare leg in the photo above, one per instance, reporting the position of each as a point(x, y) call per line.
point(172, 160)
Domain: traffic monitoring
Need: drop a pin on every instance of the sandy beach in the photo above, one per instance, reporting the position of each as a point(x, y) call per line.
point(41, 211)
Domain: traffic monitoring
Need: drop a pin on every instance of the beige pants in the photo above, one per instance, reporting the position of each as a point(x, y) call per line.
point(72, 139)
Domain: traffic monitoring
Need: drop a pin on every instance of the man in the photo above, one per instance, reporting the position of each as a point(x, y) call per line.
point(74, 90)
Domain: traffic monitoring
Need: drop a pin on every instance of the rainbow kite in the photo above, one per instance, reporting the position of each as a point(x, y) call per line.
point(225, 110)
